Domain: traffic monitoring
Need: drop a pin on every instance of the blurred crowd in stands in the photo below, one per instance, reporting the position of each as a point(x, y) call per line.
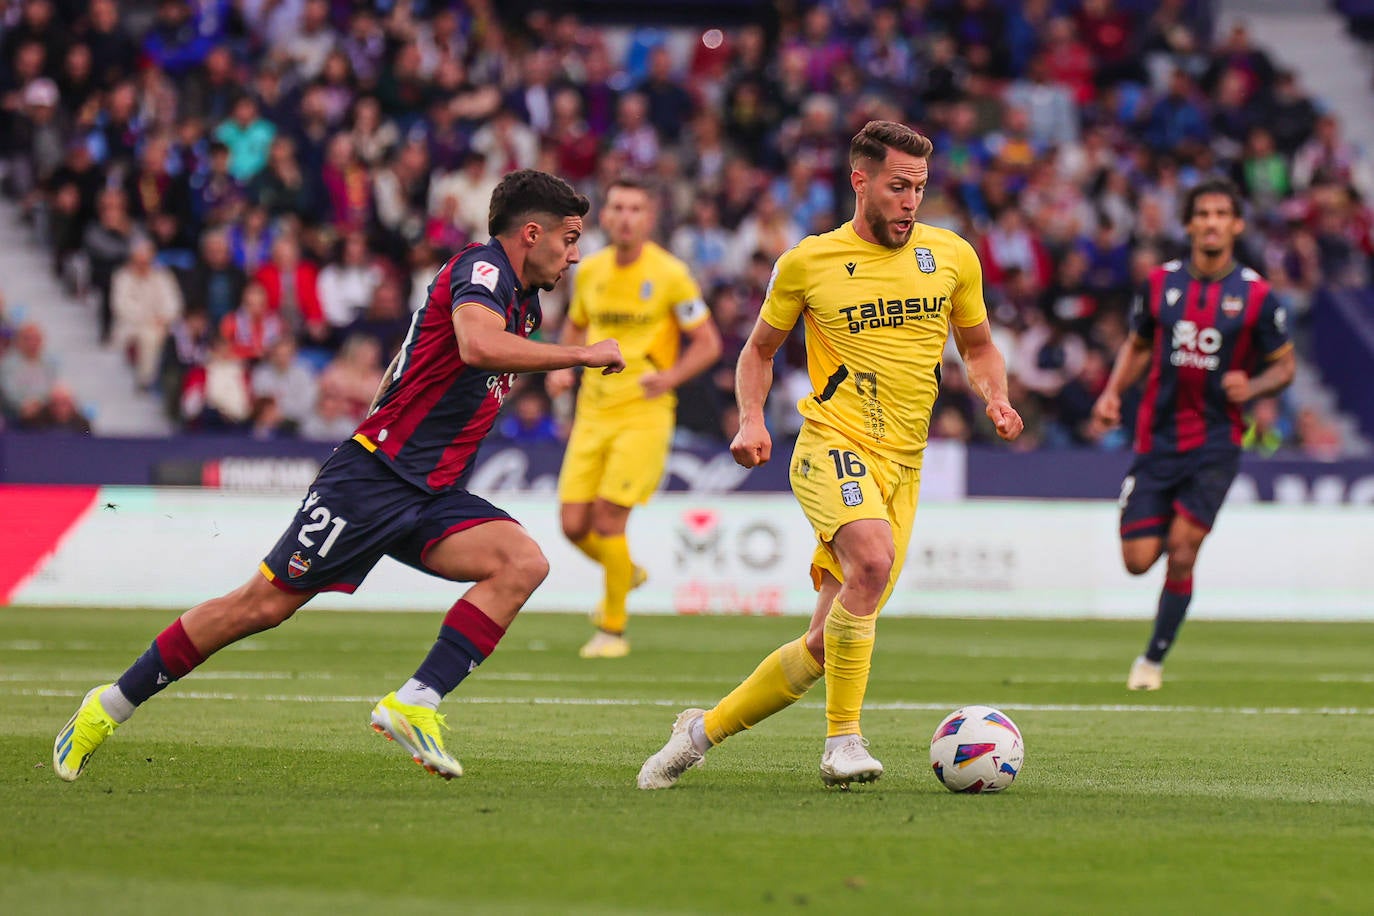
point(254, 194)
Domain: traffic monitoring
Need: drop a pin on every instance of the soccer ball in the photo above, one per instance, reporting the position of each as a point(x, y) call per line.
point(976, 749)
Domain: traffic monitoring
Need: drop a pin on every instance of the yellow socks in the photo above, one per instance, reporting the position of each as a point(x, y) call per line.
point(848, 659)
point(590, 544)
point(620, 571)
point(779, 681)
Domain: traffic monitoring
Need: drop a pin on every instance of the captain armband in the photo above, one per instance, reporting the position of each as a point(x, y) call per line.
point(691, 312)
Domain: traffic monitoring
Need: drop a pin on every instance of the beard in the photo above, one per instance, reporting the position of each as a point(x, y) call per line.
point(882, 229)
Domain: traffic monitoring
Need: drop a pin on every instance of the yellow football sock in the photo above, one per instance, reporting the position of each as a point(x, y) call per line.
point(591, 545)
point(779, 681)
point(620, 570)
point(848, 658)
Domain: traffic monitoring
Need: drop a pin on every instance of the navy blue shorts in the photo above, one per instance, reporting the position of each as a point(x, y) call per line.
point(1160, 486)
point(358, 511)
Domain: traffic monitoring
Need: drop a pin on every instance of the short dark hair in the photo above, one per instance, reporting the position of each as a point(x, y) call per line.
point(528, 192)
point(877, 137)
point(1207, 186)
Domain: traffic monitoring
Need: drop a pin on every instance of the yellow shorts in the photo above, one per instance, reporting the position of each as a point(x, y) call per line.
point(838, 481)
point(618, 459)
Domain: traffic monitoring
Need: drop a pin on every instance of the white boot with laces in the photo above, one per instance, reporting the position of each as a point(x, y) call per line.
point(846, 759)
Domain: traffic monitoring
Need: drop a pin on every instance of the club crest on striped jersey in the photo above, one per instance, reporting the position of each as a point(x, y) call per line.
point(1232, 306)
point(485, 273)
point(925, 260)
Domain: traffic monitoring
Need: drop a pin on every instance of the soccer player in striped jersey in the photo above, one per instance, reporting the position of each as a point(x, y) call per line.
point(1209, 336)
point(396, 488)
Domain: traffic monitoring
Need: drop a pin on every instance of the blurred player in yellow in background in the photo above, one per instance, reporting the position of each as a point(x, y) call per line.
point(645, 298)
point(879, 297)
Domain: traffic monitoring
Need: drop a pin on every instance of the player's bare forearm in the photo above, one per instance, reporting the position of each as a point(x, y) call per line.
point(386, 382)
point(987, 372)
point(703, 349)
point(754, 371)
point(1277, 376)
point(484, 343)
point(983, 362)
point(987, 375)
point(1131, 362)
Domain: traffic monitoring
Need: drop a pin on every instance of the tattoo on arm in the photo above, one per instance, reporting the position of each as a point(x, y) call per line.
point(386, 383)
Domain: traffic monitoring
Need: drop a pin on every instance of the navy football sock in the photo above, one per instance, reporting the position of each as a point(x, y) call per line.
point(1173, 606)
point(172, 655)
point(465, 640)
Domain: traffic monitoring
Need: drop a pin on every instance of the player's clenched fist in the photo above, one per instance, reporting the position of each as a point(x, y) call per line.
point(1107, 410)
point(752, 445)
point(1005, 418)
point(604, 353)
point(1237, 387)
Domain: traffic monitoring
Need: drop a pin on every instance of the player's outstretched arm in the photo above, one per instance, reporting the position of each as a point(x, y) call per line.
point(1131, 361)
point(484, 343)
point(987, 373)
point(753, 445)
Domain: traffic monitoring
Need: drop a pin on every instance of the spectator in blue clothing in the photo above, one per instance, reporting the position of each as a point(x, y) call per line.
point(528, 420)
point(176, 42)
point(248, 137)
point(1176, 120)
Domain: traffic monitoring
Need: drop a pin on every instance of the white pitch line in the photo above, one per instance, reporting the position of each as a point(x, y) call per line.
point(900, 706)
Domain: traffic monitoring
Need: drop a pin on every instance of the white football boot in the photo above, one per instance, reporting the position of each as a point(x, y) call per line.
point(849, 761)
point(676, 757)
point(1145, 675)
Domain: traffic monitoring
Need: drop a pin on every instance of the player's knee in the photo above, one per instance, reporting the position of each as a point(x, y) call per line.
point(815, 643)
point(1181, 560)
point(870, 572)
point(575, 529)
point(1182, 554)
point(526, 567)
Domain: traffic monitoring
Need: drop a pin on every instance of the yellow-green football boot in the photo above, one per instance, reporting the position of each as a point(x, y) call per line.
point(82, 736)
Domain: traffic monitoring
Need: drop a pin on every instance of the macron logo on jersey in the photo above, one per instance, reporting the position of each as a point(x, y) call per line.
point(485, 273)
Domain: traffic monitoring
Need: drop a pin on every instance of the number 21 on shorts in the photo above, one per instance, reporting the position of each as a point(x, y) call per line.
point(321, 518)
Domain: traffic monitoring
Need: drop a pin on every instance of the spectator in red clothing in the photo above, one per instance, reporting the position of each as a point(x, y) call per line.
point(348, 184)
point(252, 328)
point(1070, 61)
point(291, 285)
point(1010, 244)
point(1108, 33)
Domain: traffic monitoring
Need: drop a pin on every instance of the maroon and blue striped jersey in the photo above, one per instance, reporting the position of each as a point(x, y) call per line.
point(1199, 330)
point(437, 409)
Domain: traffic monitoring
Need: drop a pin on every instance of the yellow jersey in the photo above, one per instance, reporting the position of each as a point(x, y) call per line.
point(645, 306)
point(876, 321)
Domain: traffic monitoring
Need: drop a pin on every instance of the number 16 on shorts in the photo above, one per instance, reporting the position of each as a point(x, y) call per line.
point(848, 464)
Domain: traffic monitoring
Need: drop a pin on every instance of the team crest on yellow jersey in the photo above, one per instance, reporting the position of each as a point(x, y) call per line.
point(925, 260)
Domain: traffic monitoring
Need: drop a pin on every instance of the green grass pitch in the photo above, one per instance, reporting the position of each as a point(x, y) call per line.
point(255, 785)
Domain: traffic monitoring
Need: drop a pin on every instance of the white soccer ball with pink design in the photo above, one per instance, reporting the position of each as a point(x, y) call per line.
point(977, 749)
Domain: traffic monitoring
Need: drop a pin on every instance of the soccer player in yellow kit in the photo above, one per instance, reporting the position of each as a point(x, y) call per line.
point(879, 297)
point(646, 299)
